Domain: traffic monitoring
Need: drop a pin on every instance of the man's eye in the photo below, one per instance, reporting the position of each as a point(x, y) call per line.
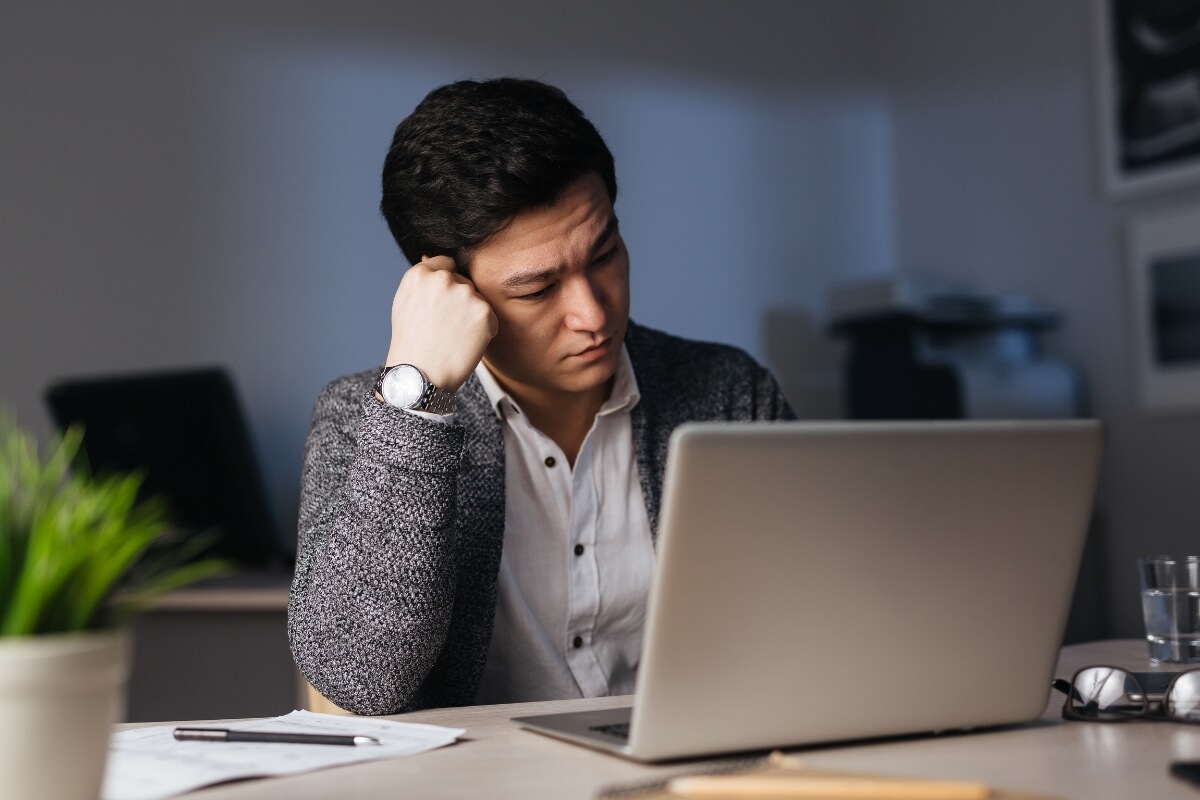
point(606, 256)
point(538, 295)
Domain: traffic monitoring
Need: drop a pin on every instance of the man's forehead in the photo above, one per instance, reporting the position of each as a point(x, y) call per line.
point(579, 221)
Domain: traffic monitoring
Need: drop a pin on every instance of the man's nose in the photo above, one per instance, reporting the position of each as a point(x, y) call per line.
point(586, 309)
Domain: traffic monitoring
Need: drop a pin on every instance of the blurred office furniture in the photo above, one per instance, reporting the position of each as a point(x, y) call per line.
point(218, 649)
point(186, 432)
point(922, 349)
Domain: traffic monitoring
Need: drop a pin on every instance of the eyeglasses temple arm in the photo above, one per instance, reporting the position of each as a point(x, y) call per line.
point(1067, 688)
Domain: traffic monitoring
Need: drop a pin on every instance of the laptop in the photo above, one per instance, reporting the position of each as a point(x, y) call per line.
point(822, 582)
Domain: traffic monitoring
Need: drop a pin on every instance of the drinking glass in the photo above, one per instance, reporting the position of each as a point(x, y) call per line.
point(1171, 607)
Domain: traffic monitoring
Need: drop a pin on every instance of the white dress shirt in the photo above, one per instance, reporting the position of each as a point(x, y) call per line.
point(578, 557)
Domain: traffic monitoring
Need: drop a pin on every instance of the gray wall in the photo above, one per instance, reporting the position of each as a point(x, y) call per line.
point(196, 183)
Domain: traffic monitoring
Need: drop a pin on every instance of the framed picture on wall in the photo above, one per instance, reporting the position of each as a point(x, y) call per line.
point(1148, 85)
point(1164, 261)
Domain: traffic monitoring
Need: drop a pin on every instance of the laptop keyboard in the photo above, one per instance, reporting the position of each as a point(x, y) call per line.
point(617, 730)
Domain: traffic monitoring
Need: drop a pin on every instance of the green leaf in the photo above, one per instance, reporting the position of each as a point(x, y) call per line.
point(77, 551)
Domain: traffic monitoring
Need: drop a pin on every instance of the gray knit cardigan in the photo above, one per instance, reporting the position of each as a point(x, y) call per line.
point(402, 521)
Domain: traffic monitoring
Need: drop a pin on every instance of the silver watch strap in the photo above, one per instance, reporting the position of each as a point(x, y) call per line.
point(435, 400)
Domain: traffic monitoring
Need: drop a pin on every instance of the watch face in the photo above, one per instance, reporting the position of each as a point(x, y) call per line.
point(403, 386)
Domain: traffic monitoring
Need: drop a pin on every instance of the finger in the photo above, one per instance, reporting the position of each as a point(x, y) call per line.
point(493, 322)
point(438, 262)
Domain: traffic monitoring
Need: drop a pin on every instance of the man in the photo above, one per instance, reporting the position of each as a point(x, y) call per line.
point(477, 519)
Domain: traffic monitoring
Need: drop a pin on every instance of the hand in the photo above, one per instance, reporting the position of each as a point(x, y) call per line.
point(440, 324)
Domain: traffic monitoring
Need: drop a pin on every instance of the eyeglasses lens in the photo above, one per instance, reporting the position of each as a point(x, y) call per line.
point(1183, 700)
point(1107, 693)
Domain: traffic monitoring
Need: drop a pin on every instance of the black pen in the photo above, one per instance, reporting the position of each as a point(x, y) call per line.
point(229, 735)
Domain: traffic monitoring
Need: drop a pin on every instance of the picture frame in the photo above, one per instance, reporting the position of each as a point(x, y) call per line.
point(1164, 268)
point(1147, 56)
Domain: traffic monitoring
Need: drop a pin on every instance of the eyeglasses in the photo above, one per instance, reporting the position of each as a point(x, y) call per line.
point(1111, 694)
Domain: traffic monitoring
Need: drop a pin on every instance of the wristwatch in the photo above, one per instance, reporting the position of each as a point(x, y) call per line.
point(405, 386)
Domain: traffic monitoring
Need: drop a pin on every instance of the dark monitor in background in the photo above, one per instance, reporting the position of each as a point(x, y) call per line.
point(185, 431)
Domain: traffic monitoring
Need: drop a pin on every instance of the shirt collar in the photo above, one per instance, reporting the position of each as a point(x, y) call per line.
point(624, 396)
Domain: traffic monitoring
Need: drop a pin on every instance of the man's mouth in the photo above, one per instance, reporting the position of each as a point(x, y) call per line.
point(596, 351)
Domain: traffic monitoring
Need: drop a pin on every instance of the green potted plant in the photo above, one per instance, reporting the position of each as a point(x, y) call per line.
point(77, 562)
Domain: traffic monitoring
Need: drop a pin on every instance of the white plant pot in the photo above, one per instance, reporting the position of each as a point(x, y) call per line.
point(60, 695)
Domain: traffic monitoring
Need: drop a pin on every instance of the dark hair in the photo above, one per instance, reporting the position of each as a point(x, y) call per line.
point(473, 155)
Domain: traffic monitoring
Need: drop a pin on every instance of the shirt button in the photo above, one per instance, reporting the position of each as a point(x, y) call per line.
point(578, 549)
point(550, 462)
point(577, 642)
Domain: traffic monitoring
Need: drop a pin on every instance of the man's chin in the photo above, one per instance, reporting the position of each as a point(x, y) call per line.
point(582, 379)
point(589, 375)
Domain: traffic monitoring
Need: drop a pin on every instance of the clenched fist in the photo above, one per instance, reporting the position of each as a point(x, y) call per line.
point(440, 324)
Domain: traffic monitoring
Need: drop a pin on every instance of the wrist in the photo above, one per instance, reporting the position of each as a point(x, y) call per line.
point(406, 387)
point(430, 367)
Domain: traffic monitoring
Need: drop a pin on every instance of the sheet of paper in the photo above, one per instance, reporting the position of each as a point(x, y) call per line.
point(147, 763)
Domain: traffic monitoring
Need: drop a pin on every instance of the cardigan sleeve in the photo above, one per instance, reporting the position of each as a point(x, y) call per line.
point(374, 587)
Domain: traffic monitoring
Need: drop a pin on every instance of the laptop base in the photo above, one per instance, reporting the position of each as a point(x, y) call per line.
point(588, 728)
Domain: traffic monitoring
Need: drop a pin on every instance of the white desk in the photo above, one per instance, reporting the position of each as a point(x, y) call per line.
point(1049, 757)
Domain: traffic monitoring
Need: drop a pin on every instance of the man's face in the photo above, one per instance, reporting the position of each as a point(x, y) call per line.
point(558, 281)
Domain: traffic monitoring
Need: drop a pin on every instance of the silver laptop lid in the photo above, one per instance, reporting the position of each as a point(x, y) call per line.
point(827, 581)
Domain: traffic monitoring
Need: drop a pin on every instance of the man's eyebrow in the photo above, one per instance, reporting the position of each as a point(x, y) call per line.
point(528, 278)
point(543, 275)
point(605, 234)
